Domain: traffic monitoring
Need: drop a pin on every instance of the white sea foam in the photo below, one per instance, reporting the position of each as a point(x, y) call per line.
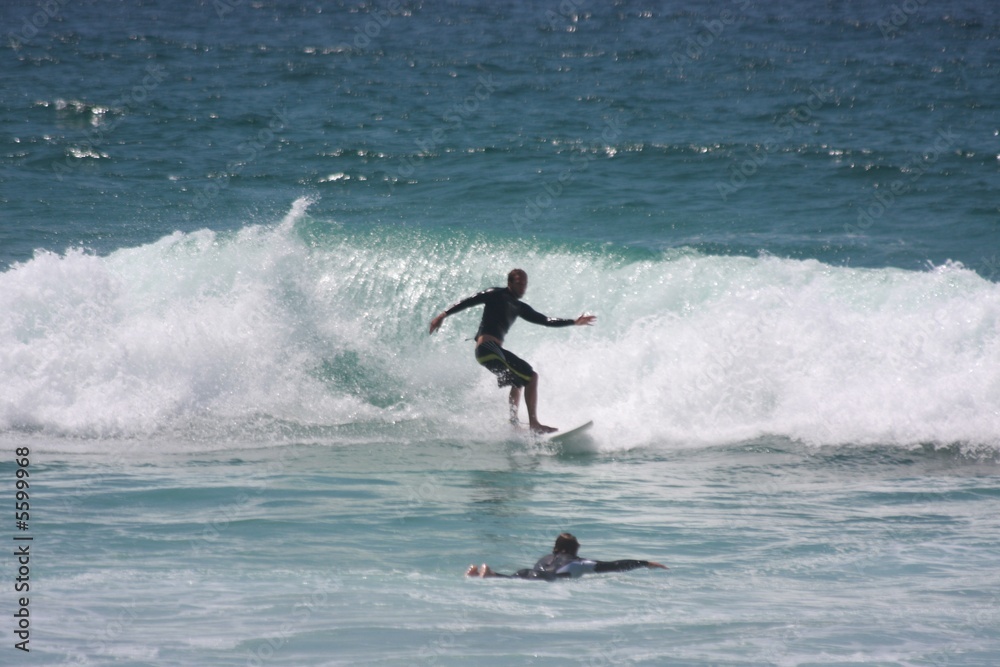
point(306, 323)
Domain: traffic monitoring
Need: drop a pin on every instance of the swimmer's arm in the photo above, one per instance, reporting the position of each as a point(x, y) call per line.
point(625, 565)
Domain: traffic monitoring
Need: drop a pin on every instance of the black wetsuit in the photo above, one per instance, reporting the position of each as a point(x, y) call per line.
point(563, 565)
point(501, 308)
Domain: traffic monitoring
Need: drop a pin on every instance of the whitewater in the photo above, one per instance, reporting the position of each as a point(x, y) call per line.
point(308, 323)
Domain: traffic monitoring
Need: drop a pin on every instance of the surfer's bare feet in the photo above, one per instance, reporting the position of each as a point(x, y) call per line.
point(542, 428)
point(473, 571)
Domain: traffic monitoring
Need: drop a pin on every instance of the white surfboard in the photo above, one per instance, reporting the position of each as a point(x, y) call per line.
point(565, 436)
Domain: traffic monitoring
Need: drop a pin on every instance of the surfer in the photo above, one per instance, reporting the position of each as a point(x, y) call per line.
point(562, 563)
point(503, 305)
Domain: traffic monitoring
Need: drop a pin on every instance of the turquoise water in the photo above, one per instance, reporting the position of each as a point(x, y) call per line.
point(226, 226)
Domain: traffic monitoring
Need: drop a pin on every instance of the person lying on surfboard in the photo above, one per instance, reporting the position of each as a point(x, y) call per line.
point(563, 563)
point(503, 305)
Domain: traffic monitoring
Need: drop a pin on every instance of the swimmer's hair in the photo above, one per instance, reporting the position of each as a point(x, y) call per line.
point(566, 543)
point(516, 272)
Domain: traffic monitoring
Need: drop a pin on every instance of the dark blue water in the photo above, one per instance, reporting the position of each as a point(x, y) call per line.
point(825, 132)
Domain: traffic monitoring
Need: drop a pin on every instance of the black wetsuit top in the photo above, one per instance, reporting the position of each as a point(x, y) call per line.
point(501, 309)
point(563, 565)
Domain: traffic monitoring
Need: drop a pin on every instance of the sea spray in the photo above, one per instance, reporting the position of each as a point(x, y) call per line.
point(310, 324)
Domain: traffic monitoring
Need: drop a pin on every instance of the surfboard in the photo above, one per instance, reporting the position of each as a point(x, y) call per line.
point(564, 436)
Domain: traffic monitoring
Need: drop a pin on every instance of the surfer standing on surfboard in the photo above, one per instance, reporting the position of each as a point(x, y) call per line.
point(503, 305)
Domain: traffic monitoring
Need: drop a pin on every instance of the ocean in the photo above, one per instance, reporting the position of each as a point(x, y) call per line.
point(229, 439)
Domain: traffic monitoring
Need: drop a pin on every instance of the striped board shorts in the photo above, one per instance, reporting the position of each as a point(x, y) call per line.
point(510, 369)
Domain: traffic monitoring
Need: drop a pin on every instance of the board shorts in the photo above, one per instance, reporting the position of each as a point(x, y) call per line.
point(510, 369)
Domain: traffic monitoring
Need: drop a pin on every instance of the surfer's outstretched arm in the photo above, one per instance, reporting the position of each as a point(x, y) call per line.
point(474, 300)
point(436, 322)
